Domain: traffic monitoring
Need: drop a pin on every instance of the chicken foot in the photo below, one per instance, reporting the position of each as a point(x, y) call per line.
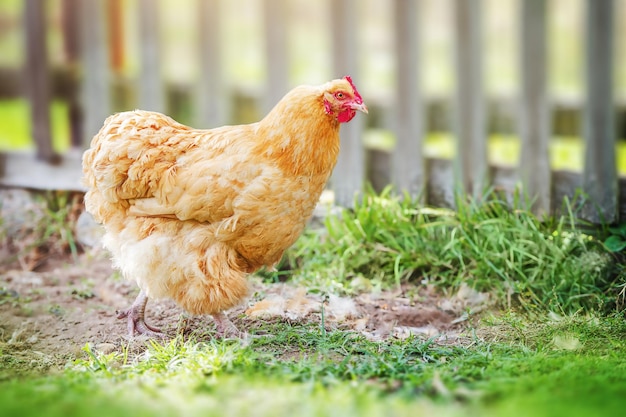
point(136, 321)
point(225, 327)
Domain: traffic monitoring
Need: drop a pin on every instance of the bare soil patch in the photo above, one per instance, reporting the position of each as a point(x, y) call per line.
point(47, 315)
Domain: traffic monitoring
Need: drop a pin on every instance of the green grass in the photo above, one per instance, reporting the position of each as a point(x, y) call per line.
point(556, 349)
point(386, 241)
point(341, 373)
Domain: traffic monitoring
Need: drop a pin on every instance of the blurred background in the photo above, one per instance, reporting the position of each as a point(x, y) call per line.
point(208, 63)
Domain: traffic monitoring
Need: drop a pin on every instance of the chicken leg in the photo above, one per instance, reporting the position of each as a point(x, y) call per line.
point(225, 327)
point(136, 321)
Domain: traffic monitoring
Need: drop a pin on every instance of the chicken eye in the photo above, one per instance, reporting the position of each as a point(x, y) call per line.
point(339, 95)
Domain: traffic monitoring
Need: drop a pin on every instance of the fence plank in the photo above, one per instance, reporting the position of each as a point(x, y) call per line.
point(71, 46)
point(276, 52)
point(348, 176)
point(37, 81)
point(117, 46)
point(600, 172)
point(408, 162)
point(471, 147)
point(534, 114)
point(151, 88)
point(211, 108)
point(94, 50)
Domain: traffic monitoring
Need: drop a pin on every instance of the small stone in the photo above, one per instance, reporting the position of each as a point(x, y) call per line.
point(105, 348)
point(18, 209)
point(88, 232)
point(29, 278)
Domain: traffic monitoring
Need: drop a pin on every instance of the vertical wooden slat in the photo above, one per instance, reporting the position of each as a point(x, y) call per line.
point(96, 90)
point(276, 52)
point(348, 176)
point(471, 158)
point(534, 113)
point(210, 102)
point(600, 172)
point(37, 80)
point(116, 35)
point(408, 161)
point(71, 43)
point(151, 94)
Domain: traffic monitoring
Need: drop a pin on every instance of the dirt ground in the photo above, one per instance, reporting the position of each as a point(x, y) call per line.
point(48, 314)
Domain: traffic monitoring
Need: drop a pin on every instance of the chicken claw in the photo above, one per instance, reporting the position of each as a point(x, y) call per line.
point(136, 321)
point(225, 327)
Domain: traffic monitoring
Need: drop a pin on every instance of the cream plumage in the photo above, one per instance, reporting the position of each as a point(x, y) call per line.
point(189, 213)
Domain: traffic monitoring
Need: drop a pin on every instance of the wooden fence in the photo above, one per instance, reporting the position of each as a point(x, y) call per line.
point(406, 166)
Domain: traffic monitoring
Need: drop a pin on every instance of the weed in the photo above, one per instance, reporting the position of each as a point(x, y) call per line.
point(616, 241)
point(8, 296)
point(56, 309)
point(84, 290)
point(46, 230)
point(97, 362)
point(61, 216)
point(17, 301)
point(388, 240)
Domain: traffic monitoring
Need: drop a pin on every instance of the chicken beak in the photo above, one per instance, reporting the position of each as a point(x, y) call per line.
point(359, 106)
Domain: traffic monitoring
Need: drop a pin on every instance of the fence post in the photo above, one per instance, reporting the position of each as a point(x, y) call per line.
point(600, 172)
point(210, 95)
point(151, 94)
point(534, 119)
point(471, 147)
point(116, 35)
point(275, 52)
point(348, 176)
point(71, 42)
point(94, 50)
point(408, 162)
point(37, 81)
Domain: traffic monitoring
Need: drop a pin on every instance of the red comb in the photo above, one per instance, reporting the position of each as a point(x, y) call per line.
point(358, 99)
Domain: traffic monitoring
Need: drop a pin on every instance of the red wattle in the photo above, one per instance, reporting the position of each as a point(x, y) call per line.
point(346, 115)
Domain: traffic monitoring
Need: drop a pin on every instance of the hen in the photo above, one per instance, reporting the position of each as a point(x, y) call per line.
point(188, 213)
